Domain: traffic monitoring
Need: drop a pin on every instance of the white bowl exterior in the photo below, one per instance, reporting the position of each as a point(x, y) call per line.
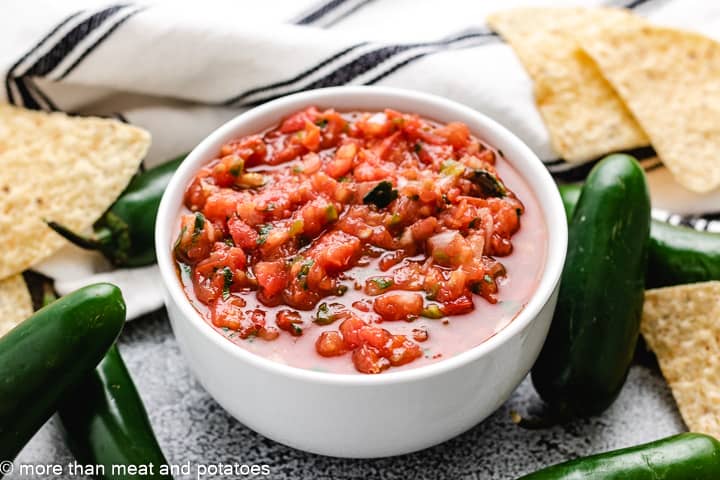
point(362, 421)
point(364, 415)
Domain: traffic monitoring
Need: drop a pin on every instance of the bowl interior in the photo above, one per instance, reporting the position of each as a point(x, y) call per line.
point(368, 99)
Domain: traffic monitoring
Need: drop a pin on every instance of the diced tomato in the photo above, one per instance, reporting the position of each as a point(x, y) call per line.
point(337, 251)
point(330, 344)
point(196, 239)
point(222, 205)
point(368, 360)
point(343, 161)
point(271, 277)
point(297, 121)
point(402, 351)
point(375, 125)
point(243, 235)
point(310, 137)
point(252, 150)
point(458, 306)
point(350, 329)
point(399, 306)
point(457, 134)
point(230, 314)
point(290, 321)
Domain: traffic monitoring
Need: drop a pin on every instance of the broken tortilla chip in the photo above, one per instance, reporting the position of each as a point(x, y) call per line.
point(15, 303)
point(60, 168)
point(583, 114)
point(670, 80)
point(682, 326)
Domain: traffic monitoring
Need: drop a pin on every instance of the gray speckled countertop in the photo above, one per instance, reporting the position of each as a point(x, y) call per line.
point(191, 427)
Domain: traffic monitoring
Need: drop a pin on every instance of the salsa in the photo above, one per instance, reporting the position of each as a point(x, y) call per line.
point(359, 240)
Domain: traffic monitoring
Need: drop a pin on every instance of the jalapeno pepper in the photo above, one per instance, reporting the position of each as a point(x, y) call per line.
point(688, 456)
point(125, 233)
point(45, 356)
point(105, 421)
point(676, 255)
point(587, 354)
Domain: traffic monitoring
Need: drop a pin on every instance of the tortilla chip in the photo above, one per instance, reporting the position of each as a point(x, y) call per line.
point(60, 168)
point(670, 80)
point(682, 326)
point(15, 303)
point(583, 114)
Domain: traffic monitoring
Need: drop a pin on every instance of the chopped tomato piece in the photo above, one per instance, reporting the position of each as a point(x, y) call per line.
point(243, 235)
point(271, 277)
point(330, 344)
point(368, 360)
point(399, 306)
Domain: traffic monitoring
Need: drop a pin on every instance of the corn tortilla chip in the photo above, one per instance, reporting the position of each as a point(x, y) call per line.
point(60, 168)
point(670, 80)
point(15, 303)
point(582, 112)
point(682, 326)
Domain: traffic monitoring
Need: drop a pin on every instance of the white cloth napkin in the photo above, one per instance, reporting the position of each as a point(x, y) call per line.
point(181, 69)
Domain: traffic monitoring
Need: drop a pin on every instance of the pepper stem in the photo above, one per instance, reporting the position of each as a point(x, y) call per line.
point(81, 241)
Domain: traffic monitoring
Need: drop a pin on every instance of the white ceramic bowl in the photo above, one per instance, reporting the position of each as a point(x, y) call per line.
point(354, 415)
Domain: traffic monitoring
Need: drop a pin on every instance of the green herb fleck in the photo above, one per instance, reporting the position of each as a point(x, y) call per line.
point(298, 169)
point(305, 269)
point(183, 230)
point(382, 195)
point(227, 282)
point(487, 278)
point(395, 219)
point(432, 311)
point(489, 184)
point(418, 147)
point(323, 315)
point(199, 224)
point(475, 223)
point(237, 167)
point(264, 230)
point(322, 123)
point(296, 329)
point(229, 242)
point(331, 213)
point(382, 283)
point(341, 290)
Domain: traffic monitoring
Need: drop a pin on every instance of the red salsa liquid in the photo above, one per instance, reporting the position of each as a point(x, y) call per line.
point(359, 242)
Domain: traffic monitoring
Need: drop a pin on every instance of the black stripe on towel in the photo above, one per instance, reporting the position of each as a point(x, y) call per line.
point(31, 95)
point(370, 60)
point(67, 44)
point(10, 78)
point(296, 78)
point(99, 41)
point(319, 12)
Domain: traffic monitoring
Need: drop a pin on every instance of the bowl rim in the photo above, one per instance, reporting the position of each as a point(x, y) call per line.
point(550, 203)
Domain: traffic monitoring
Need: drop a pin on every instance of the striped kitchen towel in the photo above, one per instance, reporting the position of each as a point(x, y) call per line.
point(180, 69)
